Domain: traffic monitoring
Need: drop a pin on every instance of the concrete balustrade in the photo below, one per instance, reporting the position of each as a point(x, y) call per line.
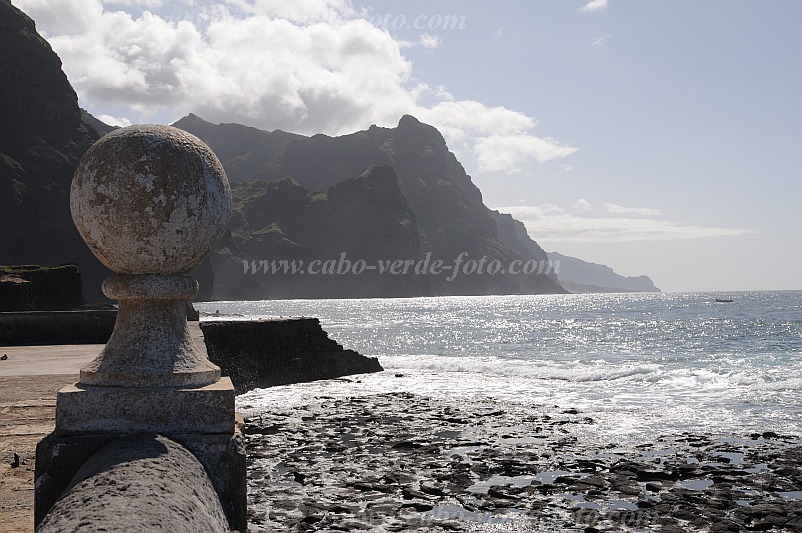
point(150, 412)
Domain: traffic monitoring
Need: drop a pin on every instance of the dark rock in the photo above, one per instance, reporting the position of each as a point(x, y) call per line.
point(38, 288)
point(350, 241)
point(656, 475)
point(444, 476)
point(98, 125)
point(192, 314)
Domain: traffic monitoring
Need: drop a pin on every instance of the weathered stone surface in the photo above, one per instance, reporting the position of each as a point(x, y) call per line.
point(143, 483)
point(151, 202)
point(150, 345)
point(150, 199)
point(264, 353)
point(90, 409)
point(58, 459)
point(223, 456)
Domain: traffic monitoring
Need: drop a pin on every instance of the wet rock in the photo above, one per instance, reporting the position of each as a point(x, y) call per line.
point(410, 463)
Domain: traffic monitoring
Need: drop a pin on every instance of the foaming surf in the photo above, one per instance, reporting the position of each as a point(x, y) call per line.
point(639, 365)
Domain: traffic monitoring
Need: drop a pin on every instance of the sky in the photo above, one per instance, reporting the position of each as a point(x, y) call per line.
point(659, 138)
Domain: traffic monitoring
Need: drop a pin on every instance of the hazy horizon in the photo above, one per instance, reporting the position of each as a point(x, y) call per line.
point(657, 139)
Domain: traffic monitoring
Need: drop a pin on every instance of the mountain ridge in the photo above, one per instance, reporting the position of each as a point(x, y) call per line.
point(451, 216)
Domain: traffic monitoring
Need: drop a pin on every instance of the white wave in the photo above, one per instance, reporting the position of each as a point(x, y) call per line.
point(522, 369)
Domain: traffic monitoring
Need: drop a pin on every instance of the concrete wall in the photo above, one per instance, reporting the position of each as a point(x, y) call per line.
point(264, 353)
point(56, 327)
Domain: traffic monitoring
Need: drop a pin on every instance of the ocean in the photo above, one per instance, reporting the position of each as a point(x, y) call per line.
point(641, 365)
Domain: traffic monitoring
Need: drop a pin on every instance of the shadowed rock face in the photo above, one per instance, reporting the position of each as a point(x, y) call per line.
point(36, 288)
point(41, 139)
point(367, 218)
point(449, 214)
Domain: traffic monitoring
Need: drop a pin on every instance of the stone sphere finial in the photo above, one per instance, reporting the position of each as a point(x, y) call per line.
point(150, 200)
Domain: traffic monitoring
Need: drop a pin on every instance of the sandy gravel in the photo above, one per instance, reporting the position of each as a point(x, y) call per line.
point(27, 414)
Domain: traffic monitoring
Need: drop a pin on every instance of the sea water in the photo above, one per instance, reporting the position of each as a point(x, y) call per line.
point(641, 365)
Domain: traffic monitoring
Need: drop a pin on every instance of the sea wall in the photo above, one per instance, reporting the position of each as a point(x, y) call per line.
point(56, 327)
point(265, 353)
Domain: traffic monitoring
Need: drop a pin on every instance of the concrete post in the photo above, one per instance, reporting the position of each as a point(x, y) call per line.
point(151, 202)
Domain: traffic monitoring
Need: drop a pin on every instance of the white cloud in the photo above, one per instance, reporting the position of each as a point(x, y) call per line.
point(430, 41)
point(509, 153)
point(114, 121)
point(638, 211)
point(308, 66)
point(551, 225)
point(304, 11)
point(595, 5)
point(148, 4)
point(582, 205)
point(598, 43)
point(499, 33)
point(443, 93)
point(551, 209)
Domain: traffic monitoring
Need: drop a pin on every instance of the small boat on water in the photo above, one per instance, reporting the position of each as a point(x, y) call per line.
point(724, 301)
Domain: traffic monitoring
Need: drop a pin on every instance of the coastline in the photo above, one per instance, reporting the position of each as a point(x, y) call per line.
point(364, 453)
point(400, 461)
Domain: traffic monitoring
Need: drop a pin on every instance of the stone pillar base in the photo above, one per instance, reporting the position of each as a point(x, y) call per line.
point(201, 419)
point(58, 459)
point(84, 408)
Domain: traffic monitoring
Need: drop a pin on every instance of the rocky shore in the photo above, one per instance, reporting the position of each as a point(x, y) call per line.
point(404, 462)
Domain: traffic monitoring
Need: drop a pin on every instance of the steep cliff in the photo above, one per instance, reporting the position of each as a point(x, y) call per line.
point(41, 139)
point(452, 220)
